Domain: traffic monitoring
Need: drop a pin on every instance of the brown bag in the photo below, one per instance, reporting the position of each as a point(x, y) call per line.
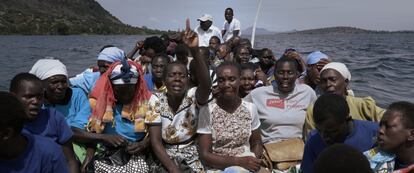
point(284, 154)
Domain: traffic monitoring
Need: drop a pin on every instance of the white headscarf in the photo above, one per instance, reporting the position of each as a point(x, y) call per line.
point(339, 67)
point(45, 68)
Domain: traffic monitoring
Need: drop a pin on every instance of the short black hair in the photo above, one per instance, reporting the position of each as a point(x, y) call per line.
point(287, 59)
point(169, 67)
point(12, 112)
point(155, 43)
point(216, 38)
point(264, 50)
point(347, 159)
point(19, 78)
point(229, 64)
point(229, 9)
point(248, 66)
point(407, 112)
point(330, 106)
point(163, 56)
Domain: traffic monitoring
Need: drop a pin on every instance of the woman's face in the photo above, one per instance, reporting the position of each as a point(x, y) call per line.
point(331, 81)
point(243, 55)
point(176, 80)
point(124, 93)
point(247, 81)
point(286, 75)
point(31, 94)
point(228, 81)
point(56, 87)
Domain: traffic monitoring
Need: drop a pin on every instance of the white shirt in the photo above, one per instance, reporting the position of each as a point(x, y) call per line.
point(204, 36)
point(230, 27)
point(281, 115)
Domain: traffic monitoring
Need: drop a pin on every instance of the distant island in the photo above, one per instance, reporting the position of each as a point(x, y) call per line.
point(61, 17)
point(328, 30)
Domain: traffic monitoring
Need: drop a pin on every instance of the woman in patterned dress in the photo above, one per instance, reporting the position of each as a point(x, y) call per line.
point(173, 115)
point(229, 131)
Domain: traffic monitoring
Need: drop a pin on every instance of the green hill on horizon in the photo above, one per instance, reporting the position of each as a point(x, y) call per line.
point(61, 17)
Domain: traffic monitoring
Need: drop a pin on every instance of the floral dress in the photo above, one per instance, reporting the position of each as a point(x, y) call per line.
point(178, 129)
point(230, 131)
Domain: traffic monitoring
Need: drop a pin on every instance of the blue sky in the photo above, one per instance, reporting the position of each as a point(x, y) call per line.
point(275, 15)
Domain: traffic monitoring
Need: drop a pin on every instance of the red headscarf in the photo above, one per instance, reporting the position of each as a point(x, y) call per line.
point(102, 102)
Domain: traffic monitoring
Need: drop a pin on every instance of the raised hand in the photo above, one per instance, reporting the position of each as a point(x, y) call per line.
point(189, 37)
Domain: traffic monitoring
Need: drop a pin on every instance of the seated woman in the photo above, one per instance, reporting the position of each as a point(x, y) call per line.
point(395, 151)
point(251, 77)
point(334, 78)
point(173, 117)
point(119, 102)
point(282, 108)
point(229, 132)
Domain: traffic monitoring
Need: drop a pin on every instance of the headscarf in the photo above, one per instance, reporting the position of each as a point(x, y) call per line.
point(340, 67)
point(111, 54)
point(102, 97)
point(315, 57)
point(45, 68)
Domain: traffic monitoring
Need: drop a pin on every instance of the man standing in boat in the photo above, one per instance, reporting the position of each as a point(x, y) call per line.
point(206, 30)
point(231, 25)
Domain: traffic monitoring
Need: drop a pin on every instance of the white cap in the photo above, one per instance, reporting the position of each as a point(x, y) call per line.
point(205, 17)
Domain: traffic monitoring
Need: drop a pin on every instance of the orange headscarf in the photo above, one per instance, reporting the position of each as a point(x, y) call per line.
point(102, 102)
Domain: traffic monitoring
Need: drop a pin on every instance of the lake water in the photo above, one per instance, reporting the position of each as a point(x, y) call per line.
point(382, 65)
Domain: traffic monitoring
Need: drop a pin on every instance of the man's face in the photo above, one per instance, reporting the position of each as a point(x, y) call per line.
point(31, 95)
point(158, 67)
point(205, 25)
point(392, 133)
point(228, 15)
point(214, 43)
point(267, 58)
point(332, 132)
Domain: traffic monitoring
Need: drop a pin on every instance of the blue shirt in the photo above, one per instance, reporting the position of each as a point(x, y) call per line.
point(85, 81)
point(123, 127)
point(42, 155)
point(362, 138)
point(52, 124)
point(148, 79)
point(77, 111)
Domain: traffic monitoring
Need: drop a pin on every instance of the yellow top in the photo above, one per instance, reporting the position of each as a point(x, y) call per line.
point(359, 109)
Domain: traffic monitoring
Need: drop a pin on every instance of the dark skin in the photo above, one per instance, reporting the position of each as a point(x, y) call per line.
point(176, 82)
point(247, 82)
point(285, 75)
point(103, 66)
point(31, 95)
point(56, 87)
point(396, 137)
point(228, 85)
point(228, 15)
point(333, 131)
point(214, 43)
point(158, 66)
point(243, 55)
point(13, 144)
point(313, 77)
point(205, 25)
point(124, 94)
point(266, 60)
point(331, 81)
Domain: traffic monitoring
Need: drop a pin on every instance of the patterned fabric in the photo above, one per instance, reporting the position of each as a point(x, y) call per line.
point(176, 127)
point(188, 153)
point(136, 164)
point(380, 161)
point(226, 126)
